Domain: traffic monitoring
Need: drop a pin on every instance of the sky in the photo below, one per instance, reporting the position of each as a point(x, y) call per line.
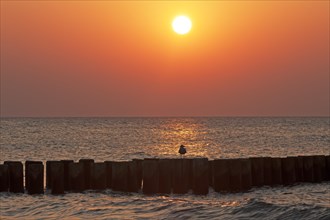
point(122, 58)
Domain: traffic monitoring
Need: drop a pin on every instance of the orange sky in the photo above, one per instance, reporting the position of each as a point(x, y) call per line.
point(108, 58)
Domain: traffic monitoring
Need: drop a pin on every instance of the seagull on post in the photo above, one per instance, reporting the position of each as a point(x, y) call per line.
point(182, 150)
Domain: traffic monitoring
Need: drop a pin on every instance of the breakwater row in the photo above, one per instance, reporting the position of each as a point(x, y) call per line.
point(153, 175)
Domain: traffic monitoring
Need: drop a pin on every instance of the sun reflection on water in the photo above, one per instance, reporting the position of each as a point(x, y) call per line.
point(186, 132)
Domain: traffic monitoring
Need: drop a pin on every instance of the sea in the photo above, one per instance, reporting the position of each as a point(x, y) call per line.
point(126, 138)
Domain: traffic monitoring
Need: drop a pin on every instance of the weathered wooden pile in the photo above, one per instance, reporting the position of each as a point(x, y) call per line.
point(163, 175)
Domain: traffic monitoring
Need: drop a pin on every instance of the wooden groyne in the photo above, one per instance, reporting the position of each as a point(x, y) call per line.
point(154, 175)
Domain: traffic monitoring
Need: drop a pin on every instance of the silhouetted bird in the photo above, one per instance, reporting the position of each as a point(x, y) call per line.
point(182, 150)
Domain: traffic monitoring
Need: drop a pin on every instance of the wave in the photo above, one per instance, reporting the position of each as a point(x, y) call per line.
point(263, 210)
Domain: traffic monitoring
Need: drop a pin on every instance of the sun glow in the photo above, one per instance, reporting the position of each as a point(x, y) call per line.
point(181, 25)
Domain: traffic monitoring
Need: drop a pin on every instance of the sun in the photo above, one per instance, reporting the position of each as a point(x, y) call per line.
point(181, 24)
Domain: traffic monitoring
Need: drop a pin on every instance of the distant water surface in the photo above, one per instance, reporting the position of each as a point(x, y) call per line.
point(128, 138)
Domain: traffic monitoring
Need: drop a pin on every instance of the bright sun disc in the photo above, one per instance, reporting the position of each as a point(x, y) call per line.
point(181, 24)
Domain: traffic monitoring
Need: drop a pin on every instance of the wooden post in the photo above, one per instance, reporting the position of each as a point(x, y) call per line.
point(66, 173)
point(138, 163)
point(87, 164)
point(108, 167)
point(200, 171)
point(120, 176)
point(267, 171)
point(188, 172)
point(211, 173)
point(132, 177)
point(308, 168)
point(150, 176)
point(246, 174)
point(257, 165)
point(26, 173)
point(327, 161)
point(288, 170)
point(15, 176)
point(276, 171)
point(180, 175)
point(77, 177)
point(49, 173)
point(299, 169)
point(165, 176)
point(56, 173)
point(99, 180)
point(221, 176)
point(235, 175)
point(319, 168)
point(4, 178)
point(35, 178)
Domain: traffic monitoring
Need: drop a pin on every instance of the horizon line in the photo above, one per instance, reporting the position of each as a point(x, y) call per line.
point(171, 116)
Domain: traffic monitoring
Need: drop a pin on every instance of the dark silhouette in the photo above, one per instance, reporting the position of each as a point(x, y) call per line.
point(182, 150)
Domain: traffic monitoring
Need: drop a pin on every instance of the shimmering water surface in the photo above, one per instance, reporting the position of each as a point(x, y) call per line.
point(128, 138)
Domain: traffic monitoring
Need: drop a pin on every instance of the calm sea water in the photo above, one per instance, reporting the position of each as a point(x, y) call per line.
point(127, 138)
